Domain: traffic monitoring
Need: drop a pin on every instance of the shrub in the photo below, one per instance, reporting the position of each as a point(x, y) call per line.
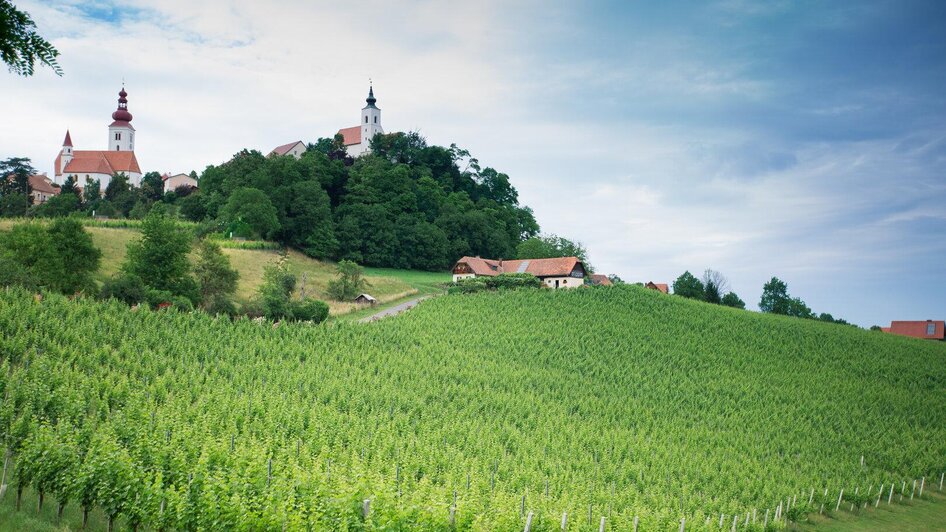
point(506, 281)
point(124, 287)
point(309, 310)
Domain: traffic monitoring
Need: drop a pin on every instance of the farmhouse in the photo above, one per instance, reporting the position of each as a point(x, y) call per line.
point(42, 189)
point(296, 149)
point(100, 165)
point(563, 272)
point(172, 182)
point(928, 330)
point(660, 287)
point(600, 279)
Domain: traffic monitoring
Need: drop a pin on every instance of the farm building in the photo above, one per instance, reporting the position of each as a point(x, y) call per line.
point(172, 182)
point(929, 329)
point(563, 272)
point(660, 287)
point(296, 149)
point(42, 189)
point(365, 299)
point(599, 279)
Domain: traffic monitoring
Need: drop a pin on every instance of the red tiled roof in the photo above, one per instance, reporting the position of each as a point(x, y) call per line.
point(352, 135)
point(68, 141)
point(41, 183)
point(284, 149)
point(919, 329)
point(660, 287)
point(600, 279)
point(98, 162)
point(557, 267)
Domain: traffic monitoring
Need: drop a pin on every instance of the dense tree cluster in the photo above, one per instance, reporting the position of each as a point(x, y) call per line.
point(405, 205)
point(776, 300)
point(713, 288)
point(552, 246)
point(60, 257)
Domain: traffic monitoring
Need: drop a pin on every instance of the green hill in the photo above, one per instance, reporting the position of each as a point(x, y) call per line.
point(387, 285)
point(615, 402)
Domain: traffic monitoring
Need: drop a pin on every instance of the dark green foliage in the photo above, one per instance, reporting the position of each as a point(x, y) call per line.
point(15, 182)
point(732, 300)
point(215, 277)
point(14, 205)
point(506, 281)
point(192, 207)
point(615, 279)
point(309, 310)
point(152, 186)
point(551, 246)
point(56, 206)
point(687, 285)
point(124, 287)
point(80, 258)
point(20, 46)
point(275, 293)
point(252, 207)
point(711, 293)
point(159, 259)
point(60, 258)
point(407, 205)
point(349, 283)
point(92, 191)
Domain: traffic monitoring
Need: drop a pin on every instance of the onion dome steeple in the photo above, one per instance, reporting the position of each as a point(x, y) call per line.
point(122, 112)
point(371, 99)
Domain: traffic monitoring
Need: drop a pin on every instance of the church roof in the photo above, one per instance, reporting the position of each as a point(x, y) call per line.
point(352, 135)
point(68, 141)
point(98, 162)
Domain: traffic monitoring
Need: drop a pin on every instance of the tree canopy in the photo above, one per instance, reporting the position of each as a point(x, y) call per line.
point(20, 46)
point(687, 285)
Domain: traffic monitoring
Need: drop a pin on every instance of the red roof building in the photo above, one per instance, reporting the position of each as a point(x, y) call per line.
point(357, 138)
point(42, 189)
point(561, 272)
point(599, 279)
point(928, 330)
point(296, 149)
point(660, 287)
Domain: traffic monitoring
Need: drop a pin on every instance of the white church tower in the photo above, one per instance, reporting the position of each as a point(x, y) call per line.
point(121, 134)
point(357, 139)
point(66, 154)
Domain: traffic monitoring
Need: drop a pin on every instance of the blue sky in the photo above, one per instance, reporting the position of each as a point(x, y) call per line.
point(804, 140)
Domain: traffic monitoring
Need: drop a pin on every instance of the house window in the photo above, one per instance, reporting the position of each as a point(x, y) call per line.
point(930, 329)
point(565, 281)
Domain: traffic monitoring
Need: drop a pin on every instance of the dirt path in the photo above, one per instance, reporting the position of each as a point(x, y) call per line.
point(395, 310)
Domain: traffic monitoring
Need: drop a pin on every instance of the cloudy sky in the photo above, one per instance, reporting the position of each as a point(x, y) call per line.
point(804, 140)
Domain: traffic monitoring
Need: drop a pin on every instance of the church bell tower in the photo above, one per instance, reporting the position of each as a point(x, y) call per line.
point(121, 134)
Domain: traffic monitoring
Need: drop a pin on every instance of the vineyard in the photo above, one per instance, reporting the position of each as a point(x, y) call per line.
point(473, 412)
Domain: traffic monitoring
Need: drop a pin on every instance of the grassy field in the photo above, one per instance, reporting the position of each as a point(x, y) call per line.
point(388, 286)
point(602, 402)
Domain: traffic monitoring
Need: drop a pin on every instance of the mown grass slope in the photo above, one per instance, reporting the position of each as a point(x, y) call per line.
point(615, 402)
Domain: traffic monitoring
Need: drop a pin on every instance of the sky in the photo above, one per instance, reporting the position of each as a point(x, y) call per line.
point(803, 140)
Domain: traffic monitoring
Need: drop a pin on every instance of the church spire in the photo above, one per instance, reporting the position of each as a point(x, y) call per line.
point(371, 99)
point(68, 141)
point(122, 113)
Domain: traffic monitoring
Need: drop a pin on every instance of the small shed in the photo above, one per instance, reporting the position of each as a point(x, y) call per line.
point(366, 299)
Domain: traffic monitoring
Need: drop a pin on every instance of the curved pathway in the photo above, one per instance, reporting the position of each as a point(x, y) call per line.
point(395, 310)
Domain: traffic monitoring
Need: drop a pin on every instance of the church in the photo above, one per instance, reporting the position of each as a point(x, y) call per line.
point(101, 165)
point(357, 139)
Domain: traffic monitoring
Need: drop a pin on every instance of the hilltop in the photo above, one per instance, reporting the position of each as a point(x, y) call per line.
point(615, 402)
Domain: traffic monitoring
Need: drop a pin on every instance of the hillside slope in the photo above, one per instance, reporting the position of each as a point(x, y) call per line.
point(616, 402)
point(385, 285)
